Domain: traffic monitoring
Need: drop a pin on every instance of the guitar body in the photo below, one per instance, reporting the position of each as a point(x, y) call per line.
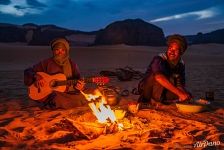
point(57, 82)
point(40, 93)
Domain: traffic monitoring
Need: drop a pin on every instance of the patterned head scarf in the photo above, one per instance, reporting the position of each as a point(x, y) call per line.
point(62, 61)
point(60, 43)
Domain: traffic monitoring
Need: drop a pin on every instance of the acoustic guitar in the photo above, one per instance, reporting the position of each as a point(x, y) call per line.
point(58, 82)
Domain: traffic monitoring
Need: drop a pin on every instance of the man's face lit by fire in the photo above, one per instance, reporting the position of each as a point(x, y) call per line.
point(173, 51)
point(59, 52)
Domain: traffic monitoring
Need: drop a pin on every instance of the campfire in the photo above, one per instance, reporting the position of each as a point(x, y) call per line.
point(101, 120)
point(102, 111)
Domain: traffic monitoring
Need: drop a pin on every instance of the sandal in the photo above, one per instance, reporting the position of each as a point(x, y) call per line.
point(124, 93)
point(135, 91)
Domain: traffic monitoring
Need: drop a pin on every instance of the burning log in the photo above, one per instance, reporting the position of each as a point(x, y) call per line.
point(106, 120)
point(86, 126)
point(90, 129)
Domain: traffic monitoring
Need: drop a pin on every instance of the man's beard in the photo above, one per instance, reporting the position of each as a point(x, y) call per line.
point(60, 59)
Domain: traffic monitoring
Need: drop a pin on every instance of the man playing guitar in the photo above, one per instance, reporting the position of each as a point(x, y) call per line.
point(60, 62)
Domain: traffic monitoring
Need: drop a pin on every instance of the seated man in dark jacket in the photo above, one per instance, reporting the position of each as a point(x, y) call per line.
point(59, 63)
point(164, 80)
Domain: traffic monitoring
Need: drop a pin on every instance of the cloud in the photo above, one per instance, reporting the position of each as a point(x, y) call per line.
point(35, 3)
point(202, 14)
point(5, 2)
point(22, 7)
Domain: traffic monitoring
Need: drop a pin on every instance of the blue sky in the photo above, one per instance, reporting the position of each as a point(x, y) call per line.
point(173, 16)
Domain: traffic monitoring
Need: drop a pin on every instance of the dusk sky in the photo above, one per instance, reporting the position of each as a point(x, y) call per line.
point(173, 16)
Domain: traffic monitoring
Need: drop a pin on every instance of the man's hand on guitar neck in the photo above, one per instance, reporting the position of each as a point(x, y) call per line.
point(40, 82)
point(80, 85)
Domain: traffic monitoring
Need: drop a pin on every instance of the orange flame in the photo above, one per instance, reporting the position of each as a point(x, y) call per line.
point(102, 111)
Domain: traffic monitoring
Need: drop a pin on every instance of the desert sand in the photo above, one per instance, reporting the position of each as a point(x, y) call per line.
point(25, 125)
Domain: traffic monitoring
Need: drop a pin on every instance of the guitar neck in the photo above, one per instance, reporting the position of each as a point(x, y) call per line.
point(71, 82)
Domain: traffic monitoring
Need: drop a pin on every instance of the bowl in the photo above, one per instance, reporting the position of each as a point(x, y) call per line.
point(193, 107)
point(119, 113)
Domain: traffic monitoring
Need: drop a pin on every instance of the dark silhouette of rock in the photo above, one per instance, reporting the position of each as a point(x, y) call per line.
point(131, 32)
point(30, 26)
point(11, 33)
point(212, 37)
point(46, 33)
point(33, 34)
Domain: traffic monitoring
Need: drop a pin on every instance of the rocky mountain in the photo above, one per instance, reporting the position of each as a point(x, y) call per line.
point(211, 37)
point(33, 34)
point(131, 32)
point(12, 33)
